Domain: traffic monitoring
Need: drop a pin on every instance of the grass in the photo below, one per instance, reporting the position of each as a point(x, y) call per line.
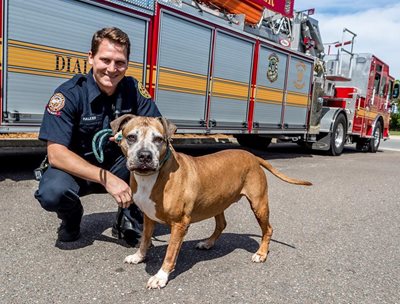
point(394, 132)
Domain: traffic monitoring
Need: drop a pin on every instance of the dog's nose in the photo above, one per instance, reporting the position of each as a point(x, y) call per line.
point(145, 156)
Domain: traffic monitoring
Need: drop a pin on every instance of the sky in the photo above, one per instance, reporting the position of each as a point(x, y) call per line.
point(376, 23)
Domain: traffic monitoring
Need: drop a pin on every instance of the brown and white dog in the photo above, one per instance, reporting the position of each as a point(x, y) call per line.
point(176, 189)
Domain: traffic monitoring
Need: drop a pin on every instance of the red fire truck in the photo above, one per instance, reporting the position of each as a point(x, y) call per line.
point(254, 69)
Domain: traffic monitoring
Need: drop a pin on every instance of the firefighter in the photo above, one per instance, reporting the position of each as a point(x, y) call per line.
point(80, 108)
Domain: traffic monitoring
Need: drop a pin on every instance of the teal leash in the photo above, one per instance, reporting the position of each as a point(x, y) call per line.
point(100, 139)
point(98, 143)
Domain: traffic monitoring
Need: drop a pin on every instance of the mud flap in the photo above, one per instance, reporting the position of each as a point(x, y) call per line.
point(323, 142)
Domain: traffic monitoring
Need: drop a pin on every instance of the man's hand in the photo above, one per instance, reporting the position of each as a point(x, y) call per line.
point(64, 159)
point(118, 188)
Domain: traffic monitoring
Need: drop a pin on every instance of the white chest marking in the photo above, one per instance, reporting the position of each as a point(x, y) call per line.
point(142, 199)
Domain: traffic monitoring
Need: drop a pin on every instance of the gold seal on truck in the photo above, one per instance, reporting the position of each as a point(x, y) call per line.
point(272, 72)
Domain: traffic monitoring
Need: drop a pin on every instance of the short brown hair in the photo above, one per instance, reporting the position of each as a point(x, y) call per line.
point(113, 34)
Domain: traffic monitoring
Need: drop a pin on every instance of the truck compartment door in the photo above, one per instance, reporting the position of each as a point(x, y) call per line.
point(183, 69)
point(47, 43)
point(271, 78)
point(298, 94)
point(231, 81)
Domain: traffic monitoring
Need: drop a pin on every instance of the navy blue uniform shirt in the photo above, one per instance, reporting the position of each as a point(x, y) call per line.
point(78, 109)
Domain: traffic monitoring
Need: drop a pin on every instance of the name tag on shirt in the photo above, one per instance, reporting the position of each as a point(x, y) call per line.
point(126, 111)
point(89, 118)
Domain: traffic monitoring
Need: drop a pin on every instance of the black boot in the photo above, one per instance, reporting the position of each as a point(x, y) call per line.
point(70, 227)
point(127, 225)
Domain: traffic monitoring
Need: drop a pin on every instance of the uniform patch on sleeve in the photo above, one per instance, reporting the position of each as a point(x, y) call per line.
point(56, 104)
point(143, 91)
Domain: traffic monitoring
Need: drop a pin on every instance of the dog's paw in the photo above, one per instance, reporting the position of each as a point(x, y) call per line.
point(204, 245)
point(257, 258)
point(158, 281)
point(134, 258)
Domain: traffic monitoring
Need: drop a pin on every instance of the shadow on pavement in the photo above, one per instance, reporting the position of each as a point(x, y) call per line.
point(19, 166)
point(189, 256)
point(274, 151)
point(93, 227)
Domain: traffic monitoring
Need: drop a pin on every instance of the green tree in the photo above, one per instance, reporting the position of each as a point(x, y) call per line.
point(395, 122)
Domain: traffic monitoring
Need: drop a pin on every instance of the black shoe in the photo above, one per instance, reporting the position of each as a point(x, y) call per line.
point(70, 228)
point(126, 227)
point(68, 235)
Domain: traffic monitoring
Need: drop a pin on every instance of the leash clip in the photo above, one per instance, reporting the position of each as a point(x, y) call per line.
point(41, 169)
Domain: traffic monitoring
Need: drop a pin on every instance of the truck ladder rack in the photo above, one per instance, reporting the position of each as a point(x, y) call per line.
point(340, 67)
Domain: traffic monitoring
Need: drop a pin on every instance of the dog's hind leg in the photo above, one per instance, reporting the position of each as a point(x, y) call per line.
point(259, 205)
point(220, 224)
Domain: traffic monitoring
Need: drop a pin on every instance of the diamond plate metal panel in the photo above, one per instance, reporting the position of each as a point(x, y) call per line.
point(145, 6)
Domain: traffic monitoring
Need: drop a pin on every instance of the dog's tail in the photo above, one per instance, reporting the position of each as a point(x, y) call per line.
point(280, 175)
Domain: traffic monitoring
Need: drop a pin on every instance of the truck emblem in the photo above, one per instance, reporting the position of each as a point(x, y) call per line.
point(299, 83)
point(272, 72)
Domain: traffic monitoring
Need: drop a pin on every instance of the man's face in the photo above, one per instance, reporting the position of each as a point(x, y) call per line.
point(109, 65)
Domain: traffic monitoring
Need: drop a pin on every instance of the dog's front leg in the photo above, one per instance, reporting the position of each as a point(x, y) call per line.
point(178, 231)
point(145, 242)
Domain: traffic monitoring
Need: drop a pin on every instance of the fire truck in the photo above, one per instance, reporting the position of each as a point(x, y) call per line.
point(254, 69)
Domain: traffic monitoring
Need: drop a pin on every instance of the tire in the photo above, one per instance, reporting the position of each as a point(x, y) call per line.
point(338, 136)
point(253, 141)
point(375, 141)
point(362, 145)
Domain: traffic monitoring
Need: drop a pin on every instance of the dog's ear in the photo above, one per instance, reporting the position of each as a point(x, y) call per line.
point(168, 126)
point(118, 124)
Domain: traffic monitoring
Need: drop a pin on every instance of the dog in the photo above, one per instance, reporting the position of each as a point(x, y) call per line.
point(177, 189)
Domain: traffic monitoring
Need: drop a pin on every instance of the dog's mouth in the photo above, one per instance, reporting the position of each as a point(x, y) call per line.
point(146, 171)
point(141, 168)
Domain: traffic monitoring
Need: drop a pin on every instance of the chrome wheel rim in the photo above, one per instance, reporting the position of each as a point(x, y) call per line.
point(377, 137)
point(339, 135)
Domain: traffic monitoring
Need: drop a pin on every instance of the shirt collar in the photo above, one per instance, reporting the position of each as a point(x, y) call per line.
point(92, 87)
point(94, 90)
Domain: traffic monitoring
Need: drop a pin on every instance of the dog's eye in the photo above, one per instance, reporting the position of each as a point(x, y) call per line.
point(158, 139)
point(131, 138)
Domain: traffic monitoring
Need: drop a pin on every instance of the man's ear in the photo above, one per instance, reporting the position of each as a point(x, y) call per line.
point(90, 58)
point(118, 124)
point(168, 126)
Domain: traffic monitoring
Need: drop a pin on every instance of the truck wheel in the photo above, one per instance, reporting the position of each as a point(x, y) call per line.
point(376, 140)
point(338, 136)
point(362, 145)
point(253, 141)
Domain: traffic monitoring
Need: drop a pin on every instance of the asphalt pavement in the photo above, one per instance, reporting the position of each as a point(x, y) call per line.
point(392, 144)
point(335, 242)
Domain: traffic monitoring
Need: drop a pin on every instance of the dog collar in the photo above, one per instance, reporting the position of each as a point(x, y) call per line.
point(167, 155)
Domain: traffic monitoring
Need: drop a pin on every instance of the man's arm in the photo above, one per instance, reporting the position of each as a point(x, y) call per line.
point(62, 158)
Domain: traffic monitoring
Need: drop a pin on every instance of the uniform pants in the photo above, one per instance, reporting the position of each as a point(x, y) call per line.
point(60, 191)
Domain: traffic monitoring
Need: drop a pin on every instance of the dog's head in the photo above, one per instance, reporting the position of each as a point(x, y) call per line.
point(143, 140)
